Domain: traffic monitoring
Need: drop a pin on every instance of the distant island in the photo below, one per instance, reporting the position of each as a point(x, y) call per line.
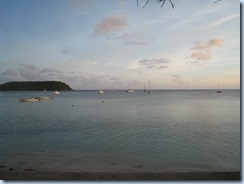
point(34, 86)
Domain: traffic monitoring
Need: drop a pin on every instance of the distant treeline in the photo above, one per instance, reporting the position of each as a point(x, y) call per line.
point(35, 86)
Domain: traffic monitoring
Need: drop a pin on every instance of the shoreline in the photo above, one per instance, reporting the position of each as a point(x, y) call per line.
point(33, 175)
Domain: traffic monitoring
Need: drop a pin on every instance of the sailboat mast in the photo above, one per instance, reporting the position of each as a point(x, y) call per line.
point(129, 90)
point(149, 86)
point(219, 91)
point(187, 87)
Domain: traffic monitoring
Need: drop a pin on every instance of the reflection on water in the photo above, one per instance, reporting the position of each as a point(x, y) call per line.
point(162, 131)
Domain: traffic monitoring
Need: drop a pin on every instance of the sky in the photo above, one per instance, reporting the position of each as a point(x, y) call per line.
point(100, 44)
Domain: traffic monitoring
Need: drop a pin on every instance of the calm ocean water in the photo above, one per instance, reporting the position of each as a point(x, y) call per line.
point(139, 132)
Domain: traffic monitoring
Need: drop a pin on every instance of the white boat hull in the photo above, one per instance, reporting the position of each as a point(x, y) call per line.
point(29, 99)
point(45, 97)
point(130, 91)
point(100, 92)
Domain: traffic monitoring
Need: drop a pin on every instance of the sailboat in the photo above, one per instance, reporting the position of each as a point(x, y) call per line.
point(149, 86)
point(145, 89)
point(218, 91)
point(129, 90)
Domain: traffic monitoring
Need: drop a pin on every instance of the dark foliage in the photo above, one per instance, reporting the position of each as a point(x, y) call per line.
point(35, 86)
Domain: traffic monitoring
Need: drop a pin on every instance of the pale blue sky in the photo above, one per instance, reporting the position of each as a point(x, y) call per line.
point(103, 44)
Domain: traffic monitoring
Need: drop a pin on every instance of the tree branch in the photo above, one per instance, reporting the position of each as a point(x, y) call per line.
point(145, 4)
point(217, 1)
point(173, 6)
point(163, 2)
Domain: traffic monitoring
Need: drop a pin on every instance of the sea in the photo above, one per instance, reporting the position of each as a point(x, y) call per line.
point(83, 131)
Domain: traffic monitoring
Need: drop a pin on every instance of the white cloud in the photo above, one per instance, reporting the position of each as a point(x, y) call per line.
point(136, 38)
point(221, 21)
point(10, 72)
point(30, 72)
point(8, 75)
point(152, 64)
point(203, 51)
point(155, 63)
point(112, 24)
point(33, 73)
point(178, 79)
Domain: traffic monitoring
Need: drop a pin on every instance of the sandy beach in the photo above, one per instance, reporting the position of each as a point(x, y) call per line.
point(32, 175)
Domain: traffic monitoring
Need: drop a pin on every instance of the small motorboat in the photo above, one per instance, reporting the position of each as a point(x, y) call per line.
point(32, 99)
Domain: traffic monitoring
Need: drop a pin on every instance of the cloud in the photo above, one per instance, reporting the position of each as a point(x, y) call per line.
point(130, 38)
point(100, 81)
point(5, 29)
point(205, 56)
point(203, 50)
point(27, 72)
point(135, 39)
point(31, 72)
point(215, 42)
point(177, 79)
point(162, 67)
point(221, 21)
point(10, 72)
point(155, 63)
point(113, 28)
point(112, 24)
point(65, 52)
point(8, 75)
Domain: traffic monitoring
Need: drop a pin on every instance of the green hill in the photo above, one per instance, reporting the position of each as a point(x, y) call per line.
point(35, 86)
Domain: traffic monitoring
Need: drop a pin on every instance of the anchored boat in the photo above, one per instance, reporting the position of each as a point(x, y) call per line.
point(32, 99)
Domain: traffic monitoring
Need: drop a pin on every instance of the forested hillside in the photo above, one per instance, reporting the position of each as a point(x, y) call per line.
point(34, 86)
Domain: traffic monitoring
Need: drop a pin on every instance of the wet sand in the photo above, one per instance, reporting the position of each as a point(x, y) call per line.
point(33, 175)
